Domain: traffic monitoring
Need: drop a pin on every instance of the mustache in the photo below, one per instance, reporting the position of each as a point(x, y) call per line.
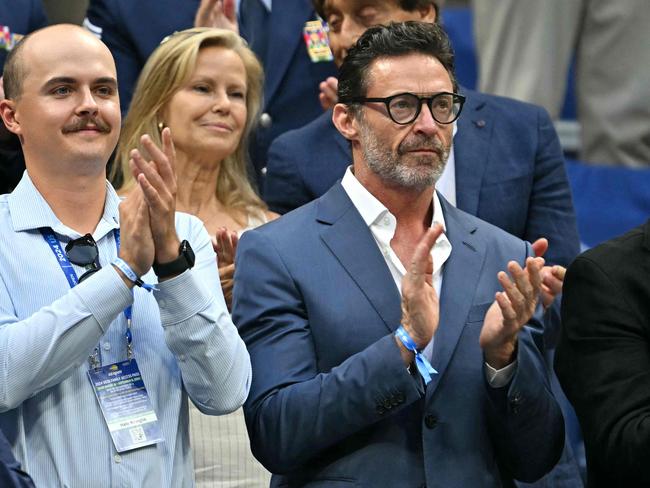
point(83, 123)
point(421, 142)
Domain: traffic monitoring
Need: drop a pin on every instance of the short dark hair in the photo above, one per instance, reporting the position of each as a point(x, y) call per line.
point(407, 5)
point(393, 40)
point(14, 71)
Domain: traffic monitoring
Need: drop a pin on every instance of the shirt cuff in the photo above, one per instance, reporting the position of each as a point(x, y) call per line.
point(498, 378)
point(180, 298)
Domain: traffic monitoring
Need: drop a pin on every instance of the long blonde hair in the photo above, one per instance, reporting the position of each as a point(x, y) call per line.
point(168, 68)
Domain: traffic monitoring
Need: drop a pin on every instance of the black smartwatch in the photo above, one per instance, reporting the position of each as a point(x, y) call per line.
point(184, 261)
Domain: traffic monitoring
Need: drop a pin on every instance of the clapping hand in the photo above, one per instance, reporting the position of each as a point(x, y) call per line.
point(328, 95)
point(420, 304)
point(157, 180)
point(512, 309)
point(225, 245)
point(552, 276)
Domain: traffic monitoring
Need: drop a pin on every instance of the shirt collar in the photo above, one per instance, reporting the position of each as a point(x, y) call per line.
point(29, 210)
point(372, 209)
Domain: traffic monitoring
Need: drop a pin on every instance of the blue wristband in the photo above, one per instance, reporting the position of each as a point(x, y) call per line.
point(130, 274)
point(424, 367)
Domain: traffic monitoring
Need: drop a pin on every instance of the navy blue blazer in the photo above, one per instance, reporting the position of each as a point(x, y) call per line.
point(509, 170)
point(331, 403)
point(133, 29)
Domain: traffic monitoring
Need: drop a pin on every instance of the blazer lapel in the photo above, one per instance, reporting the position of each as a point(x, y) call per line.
point(285, 36)
point(471, 149)
point(460, 277)
point(349, 239)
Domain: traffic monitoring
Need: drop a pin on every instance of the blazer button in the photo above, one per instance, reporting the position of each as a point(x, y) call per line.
point(266, 120)
point(431, 421)
point(515, 402)
point(388, 404)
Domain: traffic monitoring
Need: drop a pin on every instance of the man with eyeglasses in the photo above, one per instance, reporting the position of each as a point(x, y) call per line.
point(111, 313)
point(506, 165)
point(356, 383)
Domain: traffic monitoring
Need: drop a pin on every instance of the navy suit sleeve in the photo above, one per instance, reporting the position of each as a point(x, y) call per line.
point(551, 212)
point(104, 14)
point(11, 476)
point(285, 189)
point(526, 423)
point(294, 411)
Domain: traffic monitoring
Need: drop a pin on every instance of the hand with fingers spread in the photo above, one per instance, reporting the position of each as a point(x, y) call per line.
point(511, 310)
point(420, 305)
point(217, 13)
point(328, 95)
point(136, 242)
point(225, 245)
point(552, 276)
point(157, 179)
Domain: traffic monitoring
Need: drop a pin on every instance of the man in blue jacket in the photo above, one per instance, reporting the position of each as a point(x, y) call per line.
point(355, 385)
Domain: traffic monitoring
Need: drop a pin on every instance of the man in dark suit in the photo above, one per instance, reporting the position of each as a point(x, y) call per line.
point(132, 30)
point(603, 358)
point(339, 396)
point(507, 169)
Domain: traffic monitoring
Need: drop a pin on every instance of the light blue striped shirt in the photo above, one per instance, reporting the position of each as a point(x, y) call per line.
point(184, 341)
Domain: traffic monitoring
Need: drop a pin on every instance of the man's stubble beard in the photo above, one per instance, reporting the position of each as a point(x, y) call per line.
point(381, 160)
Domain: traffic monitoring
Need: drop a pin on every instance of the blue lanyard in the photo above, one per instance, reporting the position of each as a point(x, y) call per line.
point(73, 280)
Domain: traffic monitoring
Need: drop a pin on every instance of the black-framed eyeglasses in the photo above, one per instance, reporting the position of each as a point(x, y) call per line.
point(404, 108)
point(83, 252)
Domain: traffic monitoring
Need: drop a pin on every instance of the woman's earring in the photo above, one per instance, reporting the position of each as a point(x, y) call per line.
point(161, 126)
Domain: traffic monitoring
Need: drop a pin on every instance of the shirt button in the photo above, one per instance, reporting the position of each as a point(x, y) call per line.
point(430, 421)
point(263, 170)
point(107, 346)
point(117, 458)
point(265, 120)
point(386, 221)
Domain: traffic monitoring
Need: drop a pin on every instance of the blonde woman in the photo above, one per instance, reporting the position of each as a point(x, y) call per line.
point(206, 86)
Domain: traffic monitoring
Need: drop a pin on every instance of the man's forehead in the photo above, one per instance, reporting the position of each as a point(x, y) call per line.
point(68, 61)
point(397, 73)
